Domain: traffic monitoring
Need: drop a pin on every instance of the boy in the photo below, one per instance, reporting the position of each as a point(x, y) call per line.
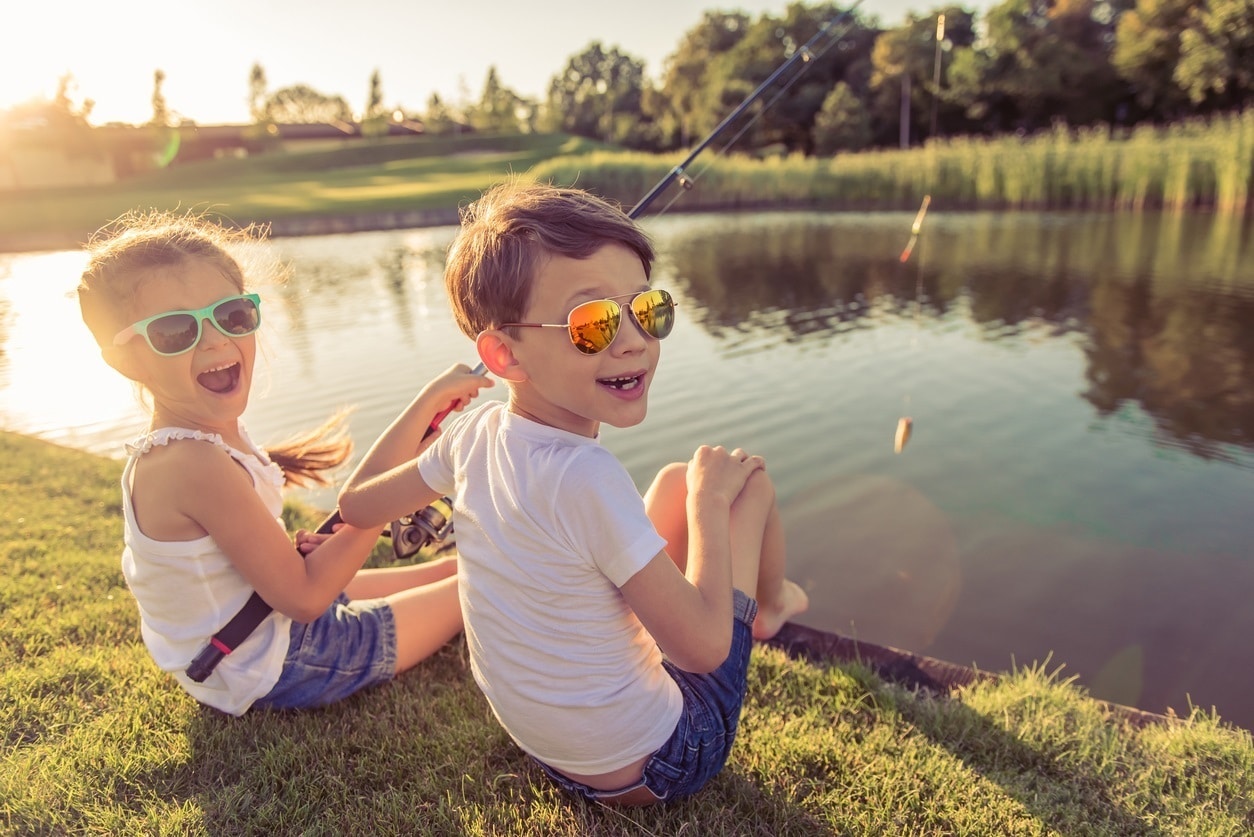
point(610, 633)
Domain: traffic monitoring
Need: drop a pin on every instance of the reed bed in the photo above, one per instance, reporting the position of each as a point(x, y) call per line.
point(1192, 165)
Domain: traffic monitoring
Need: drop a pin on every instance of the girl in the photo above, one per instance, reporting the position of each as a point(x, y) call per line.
point(169, 307)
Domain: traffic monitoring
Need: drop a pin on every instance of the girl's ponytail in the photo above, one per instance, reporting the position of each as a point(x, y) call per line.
point(306, 456)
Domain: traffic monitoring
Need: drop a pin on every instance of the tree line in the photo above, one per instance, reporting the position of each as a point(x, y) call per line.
point(1025, 66)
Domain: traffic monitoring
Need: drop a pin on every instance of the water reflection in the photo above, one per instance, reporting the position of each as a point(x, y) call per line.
point(1164, 303)
point(1079, 477)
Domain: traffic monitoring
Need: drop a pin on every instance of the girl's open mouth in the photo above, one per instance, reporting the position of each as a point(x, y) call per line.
point(221, 380)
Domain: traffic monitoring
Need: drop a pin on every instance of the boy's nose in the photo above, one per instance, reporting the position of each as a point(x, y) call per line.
point(631, 336)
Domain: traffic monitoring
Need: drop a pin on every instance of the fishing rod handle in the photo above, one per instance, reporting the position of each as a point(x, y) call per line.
point(328, 525)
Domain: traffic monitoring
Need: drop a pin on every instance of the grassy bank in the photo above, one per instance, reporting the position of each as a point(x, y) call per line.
point(97, 741)
point(1195, 165)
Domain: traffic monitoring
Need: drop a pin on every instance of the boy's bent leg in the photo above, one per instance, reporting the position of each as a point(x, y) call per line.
point(759, 555)
point(666, 504)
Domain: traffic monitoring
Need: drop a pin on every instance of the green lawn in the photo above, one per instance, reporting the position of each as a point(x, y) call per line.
point(97, 741)
point(389, 175)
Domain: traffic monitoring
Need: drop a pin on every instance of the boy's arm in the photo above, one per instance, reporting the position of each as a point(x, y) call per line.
point(386, 484)
point(690, 615)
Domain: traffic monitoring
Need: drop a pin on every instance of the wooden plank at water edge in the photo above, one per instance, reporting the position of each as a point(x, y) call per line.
point(909, 669)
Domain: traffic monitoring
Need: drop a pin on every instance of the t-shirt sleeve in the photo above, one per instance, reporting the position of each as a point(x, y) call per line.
point(599, 509)
point(435, 464)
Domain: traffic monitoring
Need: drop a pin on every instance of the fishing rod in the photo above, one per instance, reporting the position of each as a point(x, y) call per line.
point(409, 534)
point(433, 523)
point(809, 51)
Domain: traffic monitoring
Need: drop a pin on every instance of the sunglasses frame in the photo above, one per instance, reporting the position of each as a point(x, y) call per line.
point(614, 299)
point(140, 328)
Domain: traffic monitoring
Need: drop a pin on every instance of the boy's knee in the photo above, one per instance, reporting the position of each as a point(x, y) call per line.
point(674, 475)
point(759, 488)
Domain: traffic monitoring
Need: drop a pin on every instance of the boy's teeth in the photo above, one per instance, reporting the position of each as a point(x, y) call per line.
point(623, 383)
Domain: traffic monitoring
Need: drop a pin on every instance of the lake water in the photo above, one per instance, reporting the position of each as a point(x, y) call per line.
point(1079, 487)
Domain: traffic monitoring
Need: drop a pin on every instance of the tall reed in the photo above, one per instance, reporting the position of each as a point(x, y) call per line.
point(1197, 164)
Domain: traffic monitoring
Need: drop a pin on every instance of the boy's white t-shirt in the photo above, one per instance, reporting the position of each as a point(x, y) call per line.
point(187, 590)
point(549, 525)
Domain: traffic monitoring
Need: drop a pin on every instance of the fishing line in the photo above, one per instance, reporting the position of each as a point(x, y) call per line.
point(805, 55)
point(423, 527)
point(905, 424)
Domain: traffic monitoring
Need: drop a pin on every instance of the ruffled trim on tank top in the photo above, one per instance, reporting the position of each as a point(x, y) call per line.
point(268, 470)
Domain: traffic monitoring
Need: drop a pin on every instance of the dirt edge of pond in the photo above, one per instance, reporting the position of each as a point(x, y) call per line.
point(911, 670)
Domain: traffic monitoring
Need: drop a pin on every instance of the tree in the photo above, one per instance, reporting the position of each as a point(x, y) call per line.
point(160, 112)
point(1146, 51)
point(1216, 66)
point(300, 104)
point(257, 95)
point(598, 95)
point(843, 123)
point(499, 108)
point(1041, 61)
point(684, 107)
point(66, 112)
point(726, 57)
point(437, 119)
point(374, 119)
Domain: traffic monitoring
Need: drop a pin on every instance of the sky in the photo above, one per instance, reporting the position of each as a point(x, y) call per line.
point(207, 48)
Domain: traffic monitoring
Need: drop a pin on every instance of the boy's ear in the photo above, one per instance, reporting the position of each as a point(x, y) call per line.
point(497, 354)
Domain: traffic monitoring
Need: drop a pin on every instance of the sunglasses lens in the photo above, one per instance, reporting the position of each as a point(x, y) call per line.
point(655, 311)
point(594, 324)
point(173, 334)
point(237, 316)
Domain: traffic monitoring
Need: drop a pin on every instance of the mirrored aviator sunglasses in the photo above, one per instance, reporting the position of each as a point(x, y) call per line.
point(175, 332)
point(592, 326)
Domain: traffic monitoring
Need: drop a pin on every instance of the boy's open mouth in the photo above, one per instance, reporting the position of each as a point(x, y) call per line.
point(220, 380)
point(624, 383)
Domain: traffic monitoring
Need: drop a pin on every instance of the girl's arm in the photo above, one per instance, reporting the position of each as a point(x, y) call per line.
point(221, 502)
point(689, 613)
point(386, 485)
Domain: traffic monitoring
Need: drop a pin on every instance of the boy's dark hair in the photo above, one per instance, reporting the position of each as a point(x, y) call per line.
point(508, 232)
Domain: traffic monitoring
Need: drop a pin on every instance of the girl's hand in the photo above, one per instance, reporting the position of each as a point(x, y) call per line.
point(715, 473)
point(307, 542)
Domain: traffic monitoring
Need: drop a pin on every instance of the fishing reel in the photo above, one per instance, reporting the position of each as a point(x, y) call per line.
point(430, 525)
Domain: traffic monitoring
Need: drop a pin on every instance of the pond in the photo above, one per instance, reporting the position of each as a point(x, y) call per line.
point(1078, 490)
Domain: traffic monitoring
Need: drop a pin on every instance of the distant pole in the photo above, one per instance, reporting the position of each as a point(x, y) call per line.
point(936, 68)
point(905, 110)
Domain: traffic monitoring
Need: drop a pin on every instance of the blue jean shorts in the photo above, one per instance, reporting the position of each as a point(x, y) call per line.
point(349, 647)
point(702, 740)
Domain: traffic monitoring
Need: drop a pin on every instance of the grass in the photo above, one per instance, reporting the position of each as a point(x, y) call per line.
point(97, 741)
point(1200, 164)
point(391, 175)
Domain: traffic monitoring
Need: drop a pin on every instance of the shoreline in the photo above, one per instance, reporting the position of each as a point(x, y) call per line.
point(914, 671)
point(294, 226)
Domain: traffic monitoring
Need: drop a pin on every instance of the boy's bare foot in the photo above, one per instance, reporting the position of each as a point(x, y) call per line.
point(790, 601)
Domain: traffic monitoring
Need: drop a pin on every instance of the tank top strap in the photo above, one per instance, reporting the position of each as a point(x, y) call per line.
point(255, 461)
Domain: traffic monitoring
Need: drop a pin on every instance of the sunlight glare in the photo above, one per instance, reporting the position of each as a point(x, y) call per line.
point(51, 372)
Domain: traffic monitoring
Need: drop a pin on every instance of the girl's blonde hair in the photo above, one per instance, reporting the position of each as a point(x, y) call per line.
point(124, 253)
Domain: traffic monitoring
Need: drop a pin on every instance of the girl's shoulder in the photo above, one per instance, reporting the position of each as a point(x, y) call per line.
point(162, 437)
point(186, 447)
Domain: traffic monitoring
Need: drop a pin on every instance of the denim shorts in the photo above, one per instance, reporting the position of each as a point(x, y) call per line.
point(349, 647)
point(702, 740)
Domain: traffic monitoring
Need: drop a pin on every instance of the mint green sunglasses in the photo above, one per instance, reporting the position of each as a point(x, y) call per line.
point(175, 332)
